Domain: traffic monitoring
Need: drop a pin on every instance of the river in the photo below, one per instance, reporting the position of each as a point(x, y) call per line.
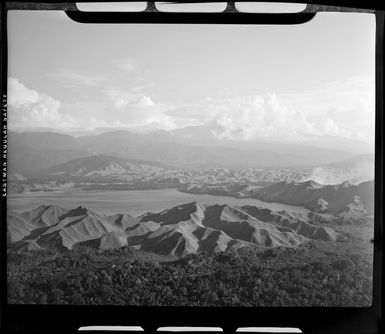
point(134, 202)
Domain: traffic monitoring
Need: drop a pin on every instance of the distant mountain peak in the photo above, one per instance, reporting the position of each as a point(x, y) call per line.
point(102, 165)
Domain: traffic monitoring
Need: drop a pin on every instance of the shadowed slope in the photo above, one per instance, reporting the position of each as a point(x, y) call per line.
point(178, 231)
point(23, 224)
point(288, 222)
point(334, 199)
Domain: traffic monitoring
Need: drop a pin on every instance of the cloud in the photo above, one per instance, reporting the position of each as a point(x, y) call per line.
point(357, 122)
point(133, 98)
point(266, 116)
point(139, 112)
point(127, 98)
point(127, 65)
point(142, 87)
point(343, 109)
point(75, 79)
point(326, 111)
point(259, 116)
point(29, 109)
point(144, 102)
point(120, 98)
point(337, 95)
point(88, 115)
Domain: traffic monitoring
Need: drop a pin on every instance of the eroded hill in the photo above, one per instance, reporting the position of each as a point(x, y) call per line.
point(184, 229)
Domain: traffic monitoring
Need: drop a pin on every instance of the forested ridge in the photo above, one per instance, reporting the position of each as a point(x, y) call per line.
point(314, 274)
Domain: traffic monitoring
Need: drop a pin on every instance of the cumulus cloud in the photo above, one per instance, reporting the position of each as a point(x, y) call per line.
point(336, 110)
point(28, 109)
point(127, 98)
point(144, 102)
point(136, 110)
point(262, 116)
point(358, 121)
point(342, 109)
point(139, 112)
point(120, 98)
point(259, 116)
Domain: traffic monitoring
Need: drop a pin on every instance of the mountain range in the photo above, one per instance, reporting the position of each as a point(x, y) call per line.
point(30, 152)
point(101, 165)
point(344, 199)
point(178, 231)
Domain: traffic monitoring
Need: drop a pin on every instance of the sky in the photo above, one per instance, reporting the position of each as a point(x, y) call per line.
point(252, 82)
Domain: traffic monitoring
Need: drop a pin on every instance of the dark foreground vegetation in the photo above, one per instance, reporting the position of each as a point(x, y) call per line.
point(311, 275)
